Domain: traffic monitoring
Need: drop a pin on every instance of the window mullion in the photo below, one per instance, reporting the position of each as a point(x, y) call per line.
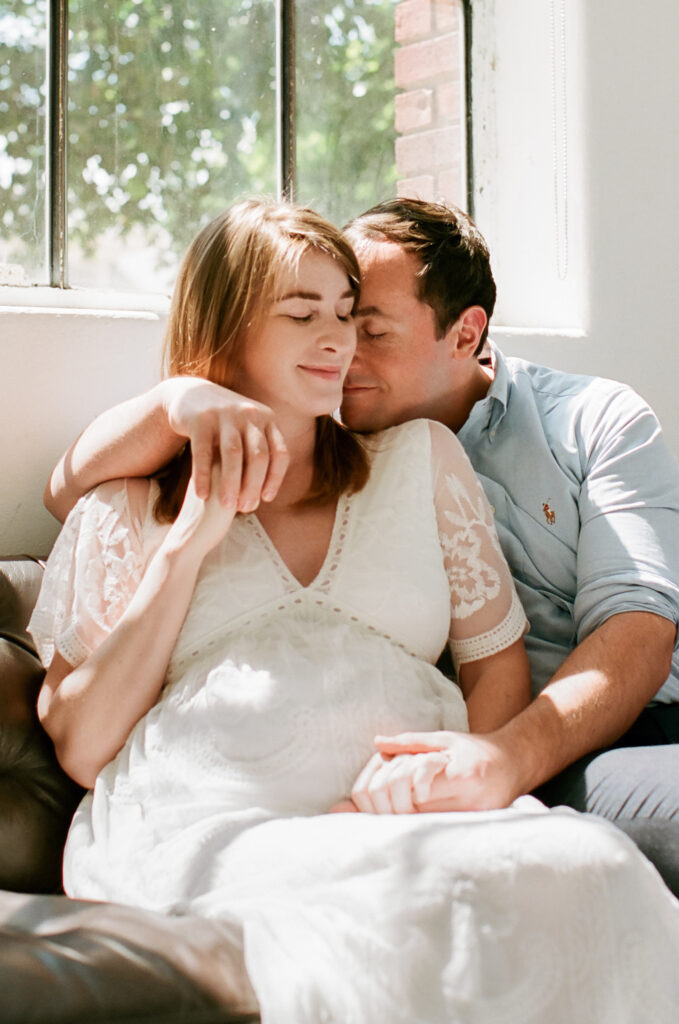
point(57, 99)
point(469, 109)
point(285, 97)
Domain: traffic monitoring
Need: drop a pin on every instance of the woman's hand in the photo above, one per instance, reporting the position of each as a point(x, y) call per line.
point(435, 771)
point(344, 807)
point(202, 522)
point(397, 785)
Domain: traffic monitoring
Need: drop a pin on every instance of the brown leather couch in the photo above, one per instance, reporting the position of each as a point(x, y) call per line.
point(71, 961)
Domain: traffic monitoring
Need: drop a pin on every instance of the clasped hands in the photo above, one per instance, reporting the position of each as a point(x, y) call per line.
point(431, 771)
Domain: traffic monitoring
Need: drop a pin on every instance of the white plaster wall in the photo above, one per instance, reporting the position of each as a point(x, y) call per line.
point(632, 199)
point(623, 165)
point(59, 367)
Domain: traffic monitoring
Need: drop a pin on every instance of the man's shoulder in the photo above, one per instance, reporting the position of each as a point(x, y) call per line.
point(581, 418)
point(549, 380)
point(561, 392)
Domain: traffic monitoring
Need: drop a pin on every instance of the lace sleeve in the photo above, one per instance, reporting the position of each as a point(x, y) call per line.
point(94, 568)
point(485, 612)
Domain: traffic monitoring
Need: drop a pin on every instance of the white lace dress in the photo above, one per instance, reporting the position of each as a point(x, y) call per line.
point(274, 693)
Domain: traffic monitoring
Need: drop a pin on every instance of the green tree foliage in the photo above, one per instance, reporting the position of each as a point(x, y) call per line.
point(171, 114)
point(22, 131)
point(345, 114)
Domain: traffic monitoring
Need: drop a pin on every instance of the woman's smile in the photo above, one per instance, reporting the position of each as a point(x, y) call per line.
point(329, 373)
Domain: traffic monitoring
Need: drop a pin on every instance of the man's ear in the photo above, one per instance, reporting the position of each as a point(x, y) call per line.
point(466, 332)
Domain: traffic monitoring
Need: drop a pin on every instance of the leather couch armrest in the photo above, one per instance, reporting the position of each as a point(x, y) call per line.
point(76, 962)
point(37, 799)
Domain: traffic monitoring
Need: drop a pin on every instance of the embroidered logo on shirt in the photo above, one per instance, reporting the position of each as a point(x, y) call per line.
point(550, 517)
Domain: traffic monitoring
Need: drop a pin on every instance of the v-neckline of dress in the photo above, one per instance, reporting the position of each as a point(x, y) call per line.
point(333, 554)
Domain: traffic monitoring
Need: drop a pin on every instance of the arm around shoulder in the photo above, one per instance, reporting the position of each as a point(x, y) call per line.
point(133, 438)
point(139, 436)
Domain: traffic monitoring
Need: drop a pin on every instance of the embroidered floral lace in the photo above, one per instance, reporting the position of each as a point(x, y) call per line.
point(275, 692)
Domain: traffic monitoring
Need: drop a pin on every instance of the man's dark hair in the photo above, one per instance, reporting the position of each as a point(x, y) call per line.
point(455, 271)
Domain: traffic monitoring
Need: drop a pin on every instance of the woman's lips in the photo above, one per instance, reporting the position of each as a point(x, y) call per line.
point(331, 373)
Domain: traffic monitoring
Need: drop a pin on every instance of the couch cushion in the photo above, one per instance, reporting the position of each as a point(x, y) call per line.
point(74, 962)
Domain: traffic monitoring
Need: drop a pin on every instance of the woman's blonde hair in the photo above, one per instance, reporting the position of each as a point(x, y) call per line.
point(227, 280)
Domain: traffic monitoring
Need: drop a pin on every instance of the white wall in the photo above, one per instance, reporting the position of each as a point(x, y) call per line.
point(59, 367)
point(617, 311)
point(614, 312)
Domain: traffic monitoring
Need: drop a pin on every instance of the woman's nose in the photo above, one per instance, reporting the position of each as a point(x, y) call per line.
point(338, 336)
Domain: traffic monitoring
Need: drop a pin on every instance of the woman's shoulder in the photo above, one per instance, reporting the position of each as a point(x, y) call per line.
point(400, 434)
point(129, 498)
point(418, 450)
point(417, 433)
point(424, 450)
point(444, 441)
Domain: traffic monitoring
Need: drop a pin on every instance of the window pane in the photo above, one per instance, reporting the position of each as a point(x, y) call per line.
point(171, 118)
point(22, 142)
point(380, 103)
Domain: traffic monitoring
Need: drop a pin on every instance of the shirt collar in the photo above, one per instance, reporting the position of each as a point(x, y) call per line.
point(488, 412)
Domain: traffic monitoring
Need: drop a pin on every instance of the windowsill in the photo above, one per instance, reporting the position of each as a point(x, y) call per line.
point(535, 333)
point(87, 301)
point(564, 348)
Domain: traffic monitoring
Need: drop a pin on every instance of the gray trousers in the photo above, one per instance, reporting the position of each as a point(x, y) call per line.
point(635, 784)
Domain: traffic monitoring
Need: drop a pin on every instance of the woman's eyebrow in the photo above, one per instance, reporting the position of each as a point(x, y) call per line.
point(315, 296)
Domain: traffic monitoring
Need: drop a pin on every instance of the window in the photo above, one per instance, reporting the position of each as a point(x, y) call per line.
point(159, 113)
point(23, 52)
point(530, 130)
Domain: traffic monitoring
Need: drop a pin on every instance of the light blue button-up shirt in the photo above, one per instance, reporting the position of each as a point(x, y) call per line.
point(586, 499)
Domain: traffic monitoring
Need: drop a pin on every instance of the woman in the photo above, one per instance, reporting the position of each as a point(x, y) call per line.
point(218, 682)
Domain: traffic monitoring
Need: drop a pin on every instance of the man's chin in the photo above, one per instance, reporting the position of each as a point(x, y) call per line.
point(362, 421)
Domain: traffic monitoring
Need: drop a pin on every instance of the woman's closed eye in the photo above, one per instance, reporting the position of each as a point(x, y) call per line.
point(306, 318)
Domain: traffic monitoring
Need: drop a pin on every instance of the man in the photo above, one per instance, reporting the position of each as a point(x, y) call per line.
point(586, 498)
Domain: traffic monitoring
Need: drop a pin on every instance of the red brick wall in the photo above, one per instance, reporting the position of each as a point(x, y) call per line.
point(430, 115)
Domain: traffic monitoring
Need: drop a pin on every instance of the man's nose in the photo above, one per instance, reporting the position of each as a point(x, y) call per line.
point(362, 346)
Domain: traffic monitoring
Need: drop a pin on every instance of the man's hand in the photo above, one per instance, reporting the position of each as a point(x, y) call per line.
point(236, 432)
point(435, 771)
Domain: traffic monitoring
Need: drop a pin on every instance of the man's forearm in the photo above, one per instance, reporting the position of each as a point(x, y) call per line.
point(131, 439)
point(595, 696)
point(139, 436)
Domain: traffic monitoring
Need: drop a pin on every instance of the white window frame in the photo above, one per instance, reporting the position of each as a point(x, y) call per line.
point(527, 150)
